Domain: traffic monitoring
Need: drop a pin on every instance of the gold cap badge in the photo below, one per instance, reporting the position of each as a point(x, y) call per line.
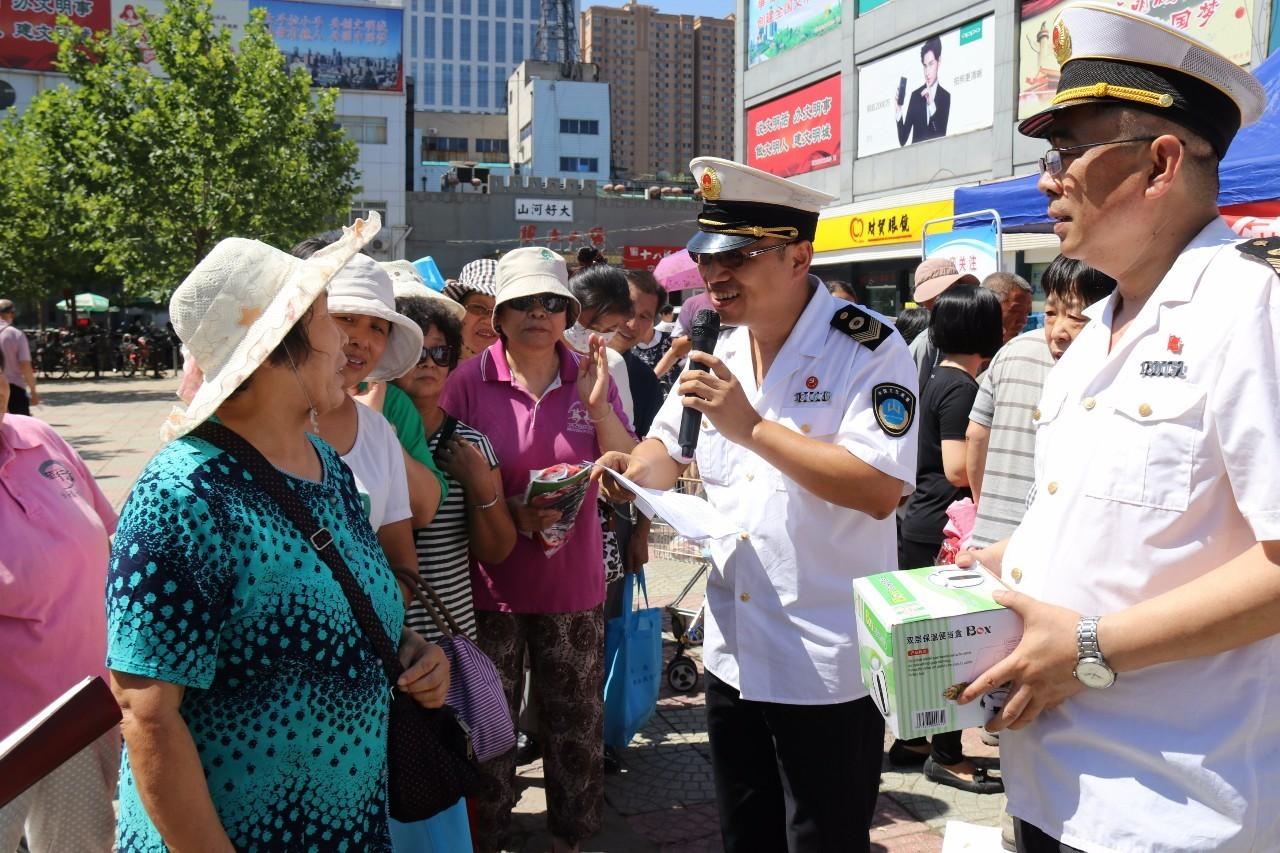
point(1061, 42)
point(710, 184)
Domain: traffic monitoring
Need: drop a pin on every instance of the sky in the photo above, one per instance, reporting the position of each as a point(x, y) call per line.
point(713, 8)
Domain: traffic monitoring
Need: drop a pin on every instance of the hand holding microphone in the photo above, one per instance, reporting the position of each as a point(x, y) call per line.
point(705, 330)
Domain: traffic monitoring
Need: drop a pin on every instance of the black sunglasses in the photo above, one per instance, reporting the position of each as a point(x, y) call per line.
point(734, 258)
point(443, 356)
point(551, 303)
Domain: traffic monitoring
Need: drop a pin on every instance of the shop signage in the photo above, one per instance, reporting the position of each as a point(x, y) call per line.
point(797, 133)
point(646, 257)
point(902, 224)
point(543, 210)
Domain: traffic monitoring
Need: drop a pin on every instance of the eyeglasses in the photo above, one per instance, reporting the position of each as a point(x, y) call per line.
point(443, 356)
point(550, 303)
point(475, 309)
point(734, 258)
point(1052, 163)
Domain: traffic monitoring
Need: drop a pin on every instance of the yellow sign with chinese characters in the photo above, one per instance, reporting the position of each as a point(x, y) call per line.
point(903, 224)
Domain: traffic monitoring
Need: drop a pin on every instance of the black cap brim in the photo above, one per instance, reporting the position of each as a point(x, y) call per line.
point(710, 242)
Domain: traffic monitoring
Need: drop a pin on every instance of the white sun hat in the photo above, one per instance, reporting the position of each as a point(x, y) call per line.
point(363, 287)
point(237, 305)
point(406, 281)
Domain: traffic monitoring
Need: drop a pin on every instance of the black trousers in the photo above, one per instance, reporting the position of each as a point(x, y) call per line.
point(19, 402)
point(1030, 839)
point(794, 778)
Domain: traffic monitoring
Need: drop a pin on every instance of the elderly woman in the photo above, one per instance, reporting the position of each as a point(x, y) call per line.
point(381, 344)
point(255, 710)
point(474, 292)
point(473, 521)
point(52, 628)
point(540, 404)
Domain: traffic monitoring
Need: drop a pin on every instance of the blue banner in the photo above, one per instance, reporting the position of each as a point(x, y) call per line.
point(973, 248)
point(347, 47)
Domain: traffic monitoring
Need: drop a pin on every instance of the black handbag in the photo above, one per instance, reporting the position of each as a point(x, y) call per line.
point(430, 762)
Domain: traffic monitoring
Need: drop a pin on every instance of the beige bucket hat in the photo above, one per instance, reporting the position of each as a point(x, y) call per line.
point(408, 282)
point(363, 287)
point(529, 271)
point(237, 305)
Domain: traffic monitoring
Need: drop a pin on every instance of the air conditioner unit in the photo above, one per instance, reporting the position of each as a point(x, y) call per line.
point(378, 245)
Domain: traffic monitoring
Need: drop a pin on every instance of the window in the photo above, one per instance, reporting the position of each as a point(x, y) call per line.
point(517, 43)
point(464, 85)
point(362, 209)
point(500, 8)
point(366, 130)
point(579, 164)
point(482, 41)
point(444, 148)
point(446, 38)
point(428, 5)
point(491, 150)
point(429, 38)
point(413, 41)
point(526, 131)
point(464, 7)
point(447, 6)
point(429, 84)
point(446, 85)
point(500, 41)
point(500, 96)
point(517, 8)
point(535, 11)
point(464, 39)
point(482, 86)
point(587, 127)
point(484, 8)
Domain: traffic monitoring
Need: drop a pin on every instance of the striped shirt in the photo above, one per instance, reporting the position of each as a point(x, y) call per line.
point(1007, 395)
point(444, 551)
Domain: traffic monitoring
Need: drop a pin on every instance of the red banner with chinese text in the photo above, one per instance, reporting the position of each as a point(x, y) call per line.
point(796, 133)
point(645, 257)
point(26, 29)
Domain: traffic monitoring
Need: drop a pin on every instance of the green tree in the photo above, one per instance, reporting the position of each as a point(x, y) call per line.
point(141, 174)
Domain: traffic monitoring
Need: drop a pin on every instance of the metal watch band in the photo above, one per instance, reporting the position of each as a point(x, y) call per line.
point(1087, 639)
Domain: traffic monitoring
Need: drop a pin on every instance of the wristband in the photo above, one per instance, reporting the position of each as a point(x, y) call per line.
point(493, 502)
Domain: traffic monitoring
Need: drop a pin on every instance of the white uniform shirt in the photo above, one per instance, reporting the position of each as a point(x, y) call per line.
point(780, 619)
point(1156, 463)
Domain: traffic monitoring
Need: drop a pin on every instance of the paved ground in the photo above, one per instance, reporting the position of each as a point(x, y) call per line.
point(663, 801)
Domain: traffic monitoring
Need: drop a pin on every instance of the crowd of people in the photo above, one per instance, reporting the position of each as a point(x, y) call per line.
point(1123, 491)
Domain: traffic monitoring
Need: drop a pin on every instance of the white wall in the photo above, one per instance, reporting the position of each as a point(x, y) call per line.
point(381, 166)
point(557, 99)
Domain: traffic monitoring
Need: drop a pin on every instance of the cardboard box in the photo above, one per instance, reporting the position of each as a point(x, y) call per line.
point(924, 635)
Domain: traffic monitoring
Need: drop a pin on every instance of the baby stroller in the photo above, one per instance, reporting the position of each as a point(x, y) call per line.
point(686, 621)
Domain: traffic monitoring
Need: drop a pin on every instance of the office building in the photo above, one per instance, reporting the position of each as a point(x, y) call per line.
point(558, 122)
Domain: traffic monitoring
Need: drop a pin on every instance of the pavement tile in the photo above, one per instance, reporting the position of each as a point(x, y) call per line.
point(918, 842)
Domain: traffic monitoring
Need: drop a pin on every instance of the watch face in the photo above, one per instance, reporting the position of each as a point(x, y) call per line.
point(1092, 673)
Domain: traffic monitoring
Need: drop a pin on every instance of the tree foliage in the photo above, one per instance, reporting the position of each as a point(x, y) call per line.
point(137, 175)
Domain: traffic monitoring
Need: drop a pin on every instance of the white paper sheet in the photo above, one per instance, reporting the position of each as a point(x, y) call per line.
point(961, 837)
point(691, 517)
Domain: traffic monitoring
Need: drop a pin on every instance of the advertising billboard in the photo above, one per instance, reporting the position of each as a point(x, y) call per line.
point(942, 86)
point(1228, 27)
point(777, 25)
point(884, 226)
point(26, 29)
point(972, 248)
point(233, 14)
point(797, 133)
point(348, 47)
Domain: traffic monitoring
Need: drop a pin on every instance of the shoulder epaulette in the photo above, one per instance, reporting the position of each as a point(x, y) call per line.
point(1265, 250)
point(861, 326)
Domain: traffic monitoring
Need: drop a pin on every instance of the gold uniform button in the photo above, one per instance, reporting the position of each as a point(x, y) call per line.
point(1035, 414)
point(744, 536)
point(804, 428)
point(1053, 488)
point(1089, 403)
point(1144, 409)
point(745, 597)
point(1017, 575)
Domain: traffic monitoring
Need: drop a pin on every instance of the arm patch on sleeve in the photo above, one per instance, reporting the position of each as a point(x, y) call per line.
point(895, 408)
point(861, 326)
point(1266, 250)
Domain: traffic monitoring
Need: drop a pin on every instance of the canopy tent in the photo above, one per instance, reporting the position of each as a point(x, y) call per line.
point(1249, 174)
point(87, 303)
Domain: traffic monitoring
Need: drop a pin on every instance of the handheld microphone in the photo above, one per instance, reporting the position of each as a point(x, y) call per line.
point(706, 328)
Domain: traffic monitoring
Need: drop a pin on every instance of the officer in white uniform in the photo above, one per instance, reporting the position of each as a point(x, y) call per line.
point(808, 442)
point(1145, 691)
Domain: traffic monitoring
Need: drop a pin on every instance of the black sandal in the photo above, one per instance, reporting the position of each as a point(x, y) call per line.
point(981, 783)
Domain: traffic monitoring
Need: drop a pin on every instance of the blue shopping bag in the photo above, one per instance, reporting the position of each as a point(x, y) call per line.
point(633, 665)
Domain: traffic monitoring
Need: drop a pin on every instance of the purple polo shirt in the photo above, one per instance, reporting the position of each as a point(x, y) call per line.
point(529, 434)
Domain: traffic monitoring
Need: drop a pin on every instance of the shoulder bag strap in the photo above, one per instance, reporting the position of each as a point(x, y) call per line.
point(273, 483)
point(430, 601)
point(446, 429)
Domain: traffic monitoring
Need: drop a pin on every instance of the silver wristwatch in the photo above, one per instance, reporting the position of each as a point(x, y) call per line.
point(1091, 667)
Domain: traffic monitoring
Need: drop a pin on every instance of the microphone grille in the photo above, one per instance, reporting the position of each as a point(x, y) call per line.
point(706, 324)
